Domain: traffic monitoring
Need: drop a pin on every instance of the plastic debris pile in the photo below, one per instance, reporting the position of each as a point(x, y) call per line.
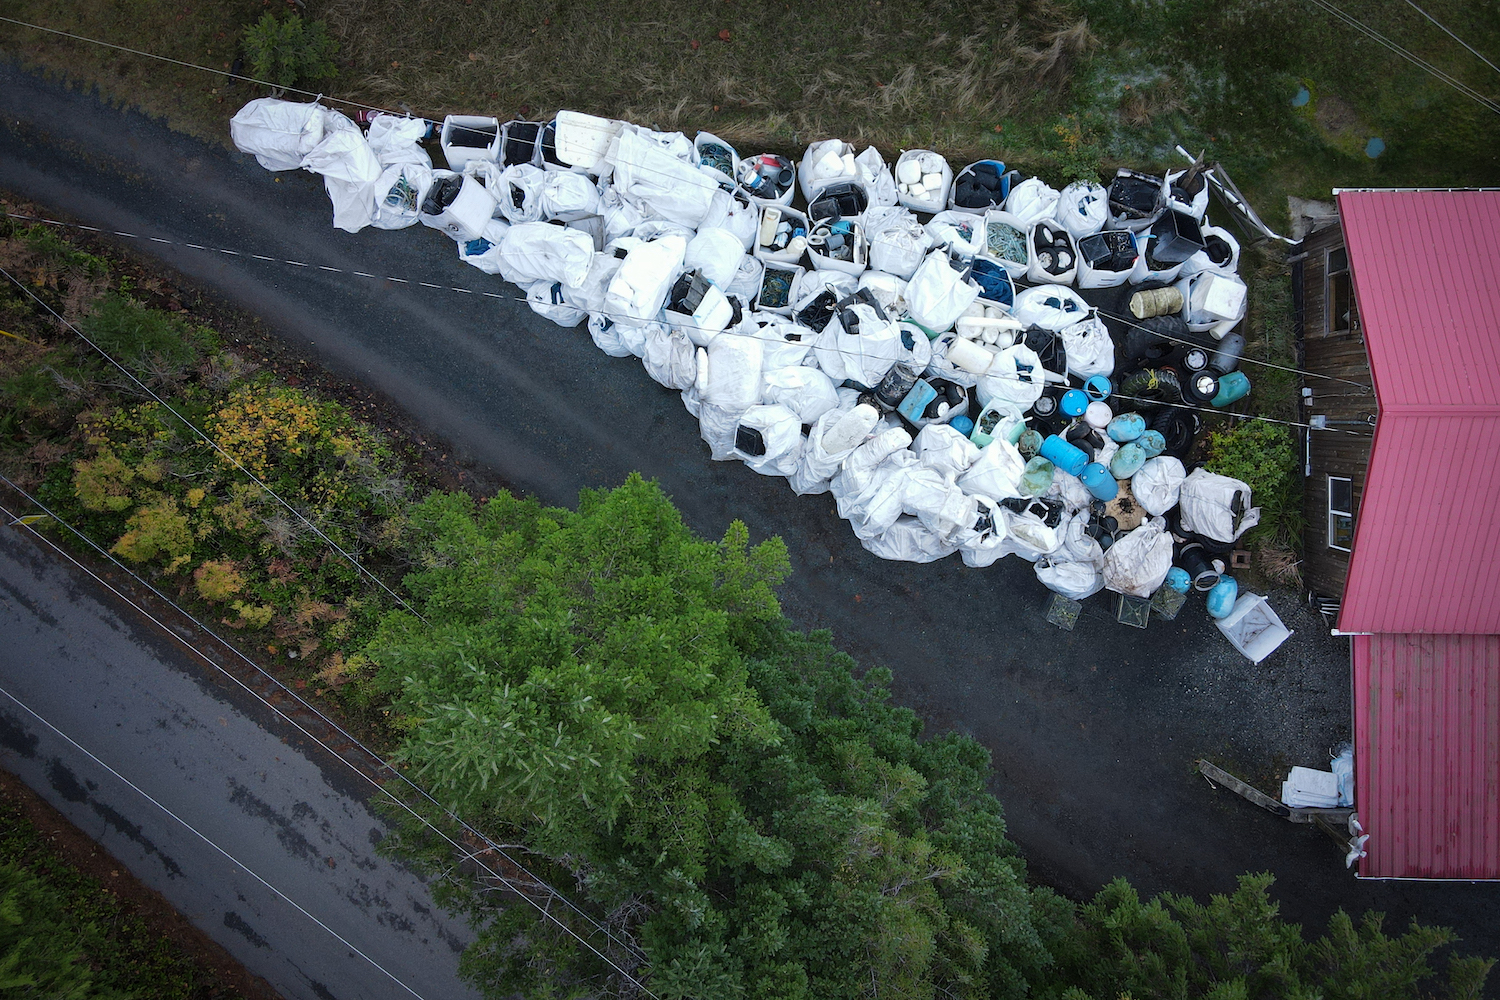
point(970, 362)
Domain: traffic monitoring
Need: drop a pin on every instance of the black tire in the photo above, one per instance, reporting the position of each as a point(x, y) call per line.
point(1179, 427)
point(1149, 341)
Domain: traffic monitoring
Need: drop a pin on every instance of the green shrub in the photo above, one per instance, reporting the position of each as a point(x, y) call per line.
point(282, 53)
point(1265, 457)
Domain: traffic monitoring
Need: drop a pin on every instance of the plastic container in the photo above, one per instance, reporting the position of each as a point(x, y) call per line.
point(1178, 580)
point(1176, 237)
point(1067, 457)
point(1233, 386)
point(989, 423)
point(1107, 259)
point(962, 424)
point(916, 401)
point(1099, 482)
point(1126, 427)
point(776, 237)
point(1199, 387)
point(583, 140)
point(897, 383)
point(469, 137)
point(1030, 444)
point(981, 186)
point(521, 142)
point(1098, 388)
point(1098, 415)
point(1221, 597)
point(1227, 358)
point(1127, 461)
point(1075, 403)
point(768, 179)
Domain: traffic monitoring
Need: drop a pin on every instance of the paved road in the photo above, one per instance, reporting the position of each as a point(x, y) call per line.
point(1093, 732)
point(121, 691)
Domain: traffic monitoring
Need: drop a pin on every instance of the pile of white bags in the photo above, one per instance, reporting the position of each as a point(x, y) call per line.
point(840, 377)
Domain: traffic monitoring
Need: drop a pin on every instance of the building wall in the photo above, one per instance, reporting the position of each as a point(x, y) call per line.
point(1332, 452)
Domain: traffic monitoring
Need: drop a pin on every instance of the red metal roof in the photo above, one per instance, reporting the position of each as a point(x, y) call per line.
point(1427, 755)
point(1426, 273)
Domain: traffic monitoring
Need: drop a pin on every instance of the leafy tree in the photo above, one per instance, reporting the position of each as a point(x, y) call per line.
point(283, 53)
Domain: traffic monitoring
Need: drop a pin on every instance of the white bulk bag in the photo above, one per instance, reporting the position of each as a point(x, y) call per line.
point(517, 188)
point(860, 468)
point(548, 299)
point(943, 508)
point(945, 451)
point(608, 336)
point(1051, 307)
point(897, 241)
point(735, 212)
point(1138, 563)
point(937, 295)
point(484, 252)
point(1077, 545)
point(718, 176)
point(1015, 377)
point(568, 197)
point(398, 194)
point(1031, 201)
point(833, 438)
point(395, 139)
point(780, 432)
point(923, 179)
point(641, 284)
point(825, 162)
point(621, 217)
point(279, 134)
point(747, 280)
point(589, 294)
point(715, 252)
point(1028, 536)
point(984, 542)
point(1077, 580)
point(996, 473)
point(646, 171)
point(1089, 348)
point(1059, 248)
point(1228, 248)
point(729, 372)
point(889, 291)
point(882, 499)
point(786, 343)
point(1082, 208)
point(961, 232)
point(877, 177)
point(863, 356)
point(1197, 207)
point(1157, 483)
point(350, 171)
point(908, 540)
point(804, 390)
point(537, 251)
point(669, 357)
point(1207, 504)
point(1015, 260)
point(973, 356)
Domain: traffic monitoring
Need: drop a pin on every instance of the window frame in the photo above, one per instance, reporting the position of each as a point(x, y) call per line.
point(1330, 317)
point(1333, 512)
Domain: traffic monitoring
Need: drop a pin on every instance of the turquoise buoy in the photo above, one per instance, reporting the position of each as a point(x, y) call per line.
point(1178, 579)
point(1152, 443)
point(1126, 427)
point(1222, 597)
point(1127, 461)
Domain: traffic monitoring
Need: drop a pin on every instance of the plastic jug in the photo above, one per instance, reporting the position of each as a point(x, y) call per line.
point(1222, 597)
point(1126, 427)
point(1152, 443)
point(1233, 386)
point(1127, 461)
point(1037, 479)
point(1065, 456)
point(1099, 482)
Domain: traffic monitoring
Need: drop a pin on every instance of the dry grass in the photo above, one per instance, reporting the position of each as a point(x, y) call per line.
point(895, 73)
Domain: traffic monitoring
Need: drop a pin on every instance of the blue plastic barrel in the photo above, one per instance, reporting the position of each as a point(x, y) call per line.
point(962, 424)
point(1074, 402)
point(1067, 457)
point(1099, 482)
point(1098, 387)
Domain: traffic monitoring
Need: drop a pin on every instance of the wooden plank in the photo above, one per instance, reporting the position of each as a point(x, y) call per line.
point(1219, 776)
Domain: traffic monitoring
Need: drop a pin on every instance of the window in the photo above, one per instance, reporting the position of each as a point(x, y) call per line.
point(1339, 299)
point(1340, 514)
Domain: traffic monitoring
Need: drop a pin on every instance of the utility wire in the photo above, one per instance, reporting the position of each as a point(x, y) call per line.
point(1415, 60)
point(285, 693)
point(612, 316)
point(1451, 35)
point(204, 837)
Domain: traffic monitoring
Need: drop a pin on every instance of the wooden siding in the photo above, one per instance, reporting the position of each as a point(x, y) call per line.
point(1333, 452)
